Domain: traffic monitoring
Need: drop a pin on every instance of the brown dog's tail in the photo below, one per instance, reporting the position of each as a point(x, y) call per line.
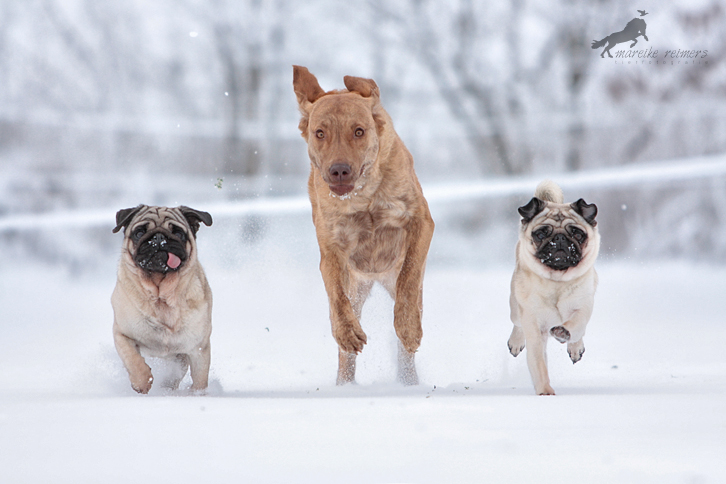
point(549, 191)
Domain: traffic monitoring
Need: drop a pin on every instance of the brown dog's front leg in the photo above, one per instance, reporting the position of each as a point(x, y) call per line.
point(406, 367)
point(345, 324)
point(358, 293)
point(409, 297)
point(139, 372)
point(346, 328)
point(409, 284)
point(346, 367)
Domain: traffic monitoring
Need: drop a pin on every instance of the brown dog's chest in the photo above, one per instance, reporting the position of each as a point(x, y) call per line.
point(374, 241)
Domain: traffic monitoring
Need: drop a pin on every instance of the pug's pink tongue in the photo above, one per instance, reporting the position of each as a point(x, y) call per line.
point(173, 261)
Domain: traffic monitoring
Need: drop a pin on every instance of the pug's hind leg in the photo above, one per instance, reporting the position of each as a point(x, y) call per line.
point(516, 341)
point(576, 350)
point(178, 367)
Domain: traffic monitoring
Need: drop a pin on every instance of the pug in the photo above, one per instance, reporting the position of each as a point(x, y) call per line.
point(162, 302)
point(554, 281)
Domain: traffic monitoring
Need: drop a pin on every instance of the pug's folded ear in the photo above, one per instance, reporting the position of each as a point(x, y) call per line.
point(588, 211)
point(530, 211)
point(124, 217)
point(194, 216)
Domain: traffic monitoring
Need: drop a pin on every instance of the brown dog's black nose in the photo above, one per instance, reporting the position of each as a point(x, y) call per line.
point(341, 173)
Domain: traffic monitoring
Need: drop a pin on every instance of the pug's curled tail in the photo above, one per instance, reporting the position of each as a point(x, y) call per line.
point(549, 191)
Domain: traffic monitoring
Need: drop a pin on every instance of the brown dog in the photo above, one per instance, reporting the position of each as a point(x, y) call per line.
point(370, 215)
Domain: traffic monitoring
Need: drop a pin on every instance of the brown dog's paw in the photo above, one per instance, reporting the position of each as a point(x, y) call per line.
point(351, 338)
point(411, 340)
point(560, 333)
point(142, 383)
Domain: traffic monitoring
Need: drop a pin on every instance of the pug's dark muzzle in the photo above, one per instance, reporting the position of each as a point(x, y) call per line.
point(159, 251)
point(559, 252)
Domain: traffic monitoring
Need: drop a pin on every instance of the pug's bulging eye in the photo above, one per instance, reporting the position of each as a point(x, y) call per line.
point(139, 233)
point(578, 234)
point(179, 233)
point(541, 233)
point(320, 134)
point(359, 132)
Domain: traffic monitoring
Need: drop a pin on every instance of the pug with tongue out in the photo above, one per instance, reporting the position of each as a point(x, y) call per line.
point(162, 302)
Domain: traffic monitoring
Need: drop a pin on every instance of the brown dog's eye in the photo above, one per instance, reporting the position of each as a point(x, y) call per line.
point(359, 132)
point(319, 134)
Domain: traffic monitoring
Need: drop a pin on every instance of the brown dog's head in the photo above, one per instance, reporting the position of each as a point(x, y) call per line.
point(160, 239)
point(342, 128)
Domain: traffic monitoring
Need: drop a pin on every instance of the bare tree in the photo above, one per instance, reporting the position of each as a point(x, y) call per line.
point(245, 35)
point(449, 55)
point(497, 102)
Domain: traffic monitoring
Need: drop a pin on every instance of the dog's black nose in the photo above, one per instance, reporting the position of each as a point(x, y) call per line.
point(158, 239)
point(560, 242)
point(341, 173)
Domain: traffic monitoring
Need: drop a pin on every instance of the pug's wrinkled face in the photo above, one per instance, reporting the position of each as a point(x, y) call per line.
point(558, 234)
point(559, 247)
point(159, 246)
point(160, 239)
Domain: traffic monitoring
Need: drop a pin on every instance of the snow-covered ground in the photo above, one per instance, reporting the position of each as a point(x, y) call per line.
point(647, 403)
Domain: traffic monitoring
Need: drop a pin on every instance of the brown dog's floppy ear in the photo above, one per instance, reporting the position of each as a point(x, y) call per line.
point(367, 88)
point(587, 211)
point(124, 216)
point(305, 85)
point(530, 211)
point(364, 87)
point(307, 91)
point(194, 217)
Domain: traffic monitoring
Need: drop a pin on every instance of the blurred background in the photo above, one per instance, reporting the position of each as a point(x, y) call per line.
point(105, 105)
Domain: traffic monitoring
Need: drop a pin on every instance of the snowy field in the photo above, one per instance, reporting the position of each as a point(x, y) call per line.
point(647, 403)
point(105, 105)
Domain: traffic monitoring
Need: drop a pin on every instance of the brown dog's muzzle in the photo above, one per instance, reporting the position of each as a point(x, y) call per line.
point(341, 178)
